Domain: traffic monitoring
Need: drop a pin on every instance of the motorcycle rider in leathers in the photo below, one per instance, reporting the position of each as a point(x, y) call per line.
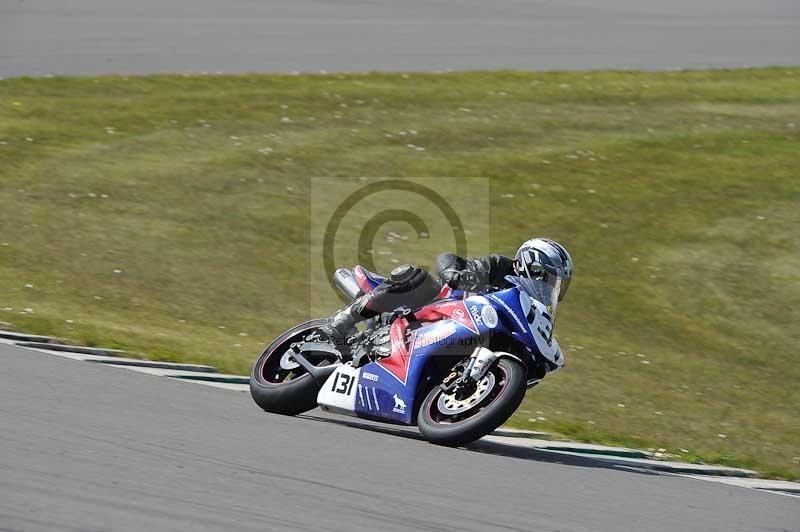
point(538, 259)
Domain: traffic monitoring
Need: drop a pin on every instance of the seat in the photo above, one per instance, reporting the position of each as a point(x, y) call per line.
point(367, 280)
point(372, 276)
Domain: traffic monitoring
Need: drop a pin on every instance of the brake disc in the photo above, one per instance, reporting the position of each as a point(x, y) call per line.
point(450, 405)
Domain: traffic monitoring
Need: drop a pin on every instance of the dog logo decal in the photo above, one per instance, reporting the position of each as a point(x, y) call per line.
point(399, 405)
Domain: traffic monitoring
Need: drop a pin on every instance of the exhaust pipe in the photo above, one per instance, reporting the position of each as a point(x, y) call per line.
point(346, 282)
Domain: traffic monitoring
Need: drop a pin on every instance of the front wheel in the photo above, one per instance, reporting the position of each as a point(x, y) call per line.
point(450, 419)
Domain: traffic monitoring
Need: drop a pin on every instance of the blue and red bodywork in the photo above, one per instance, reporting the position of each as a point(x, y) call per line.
point(387, 388)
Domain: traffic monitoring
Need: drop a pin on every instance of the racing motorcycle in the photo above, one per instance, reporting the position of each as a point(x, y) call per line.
point(458, 368)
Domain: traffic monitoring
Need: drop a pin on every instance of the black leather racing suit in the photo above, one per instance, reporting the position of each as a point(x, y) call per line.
point(414, 287)
point(408, 286)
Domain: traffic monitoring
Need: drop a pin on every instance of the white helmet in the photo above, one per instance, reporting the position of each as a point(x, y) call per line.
point(545, 261)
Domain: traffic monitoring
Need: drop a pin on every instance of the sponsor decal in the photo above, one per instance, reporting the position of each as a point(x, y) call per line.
point(369, 376)
point(502, 303)
point(439, 333)
point(399, 405)
point(460, 314)
point(489, 315)
point(476, 314)
point(456, 310)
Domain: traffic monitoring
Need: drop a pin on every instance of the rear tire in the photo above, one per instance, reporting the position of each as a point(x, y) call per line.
point(289, 397)
point(509, 389)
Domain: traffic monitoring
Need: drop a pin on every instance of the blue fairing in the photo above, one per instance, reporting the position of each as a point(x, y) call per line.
point(383, 394)
point(507, 302)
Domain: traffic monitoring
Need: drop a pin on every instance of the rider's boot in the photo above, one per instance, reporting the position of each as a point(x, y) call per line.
point(337, 327)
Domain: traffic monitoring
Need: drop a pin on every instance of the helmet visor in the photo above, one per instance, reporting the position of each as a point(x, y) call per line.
point(545, 292)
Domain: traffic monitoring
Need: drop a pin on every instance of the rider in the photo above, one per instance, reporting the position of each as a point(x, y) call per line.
point(539, 259)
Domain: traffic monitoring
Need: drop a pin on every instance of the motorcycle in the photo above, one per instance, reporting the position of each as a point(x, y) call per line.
point(458, 368)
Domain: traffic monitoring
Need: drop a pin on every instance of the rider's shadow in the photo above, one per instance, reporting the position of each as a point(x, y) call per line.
point(485, 446)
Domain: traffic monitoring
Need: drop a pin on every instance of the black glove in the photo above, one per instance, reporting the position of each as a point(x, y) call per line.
point(473, 275)
point(461, 279)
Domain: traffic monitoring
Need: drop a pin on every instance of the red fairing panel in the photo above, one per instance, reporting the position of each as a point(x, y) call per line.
point(397, 362)
point(455, 310)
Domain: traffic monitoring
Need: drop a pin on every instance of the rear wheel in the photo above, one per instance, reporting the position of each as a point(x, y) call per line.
point(282, 386)
point(459, 418)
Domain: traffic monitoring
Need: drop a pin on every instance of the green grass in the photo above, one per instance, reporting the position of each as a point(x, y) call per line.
point(677, 193)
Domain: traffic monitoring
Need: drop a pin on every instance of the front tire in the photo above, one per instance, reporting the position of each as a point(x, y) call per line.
point(440, 425)
point(282, 391)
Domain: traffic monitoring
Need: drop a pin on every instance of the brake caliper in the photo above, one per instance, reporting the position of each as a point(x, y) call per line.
point(469, 373)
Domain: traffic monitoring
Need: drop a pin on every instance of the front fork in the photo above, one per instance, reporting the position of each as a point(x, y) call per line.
point(475, 368)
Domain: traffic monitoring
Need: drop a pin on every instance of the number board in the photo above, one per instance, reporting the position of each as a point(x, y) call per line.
point(339, 391)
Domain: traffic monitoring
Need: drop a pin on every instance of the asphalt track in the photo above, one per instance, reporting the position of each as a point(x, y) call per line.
point(87, 447)
point(40, 37)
